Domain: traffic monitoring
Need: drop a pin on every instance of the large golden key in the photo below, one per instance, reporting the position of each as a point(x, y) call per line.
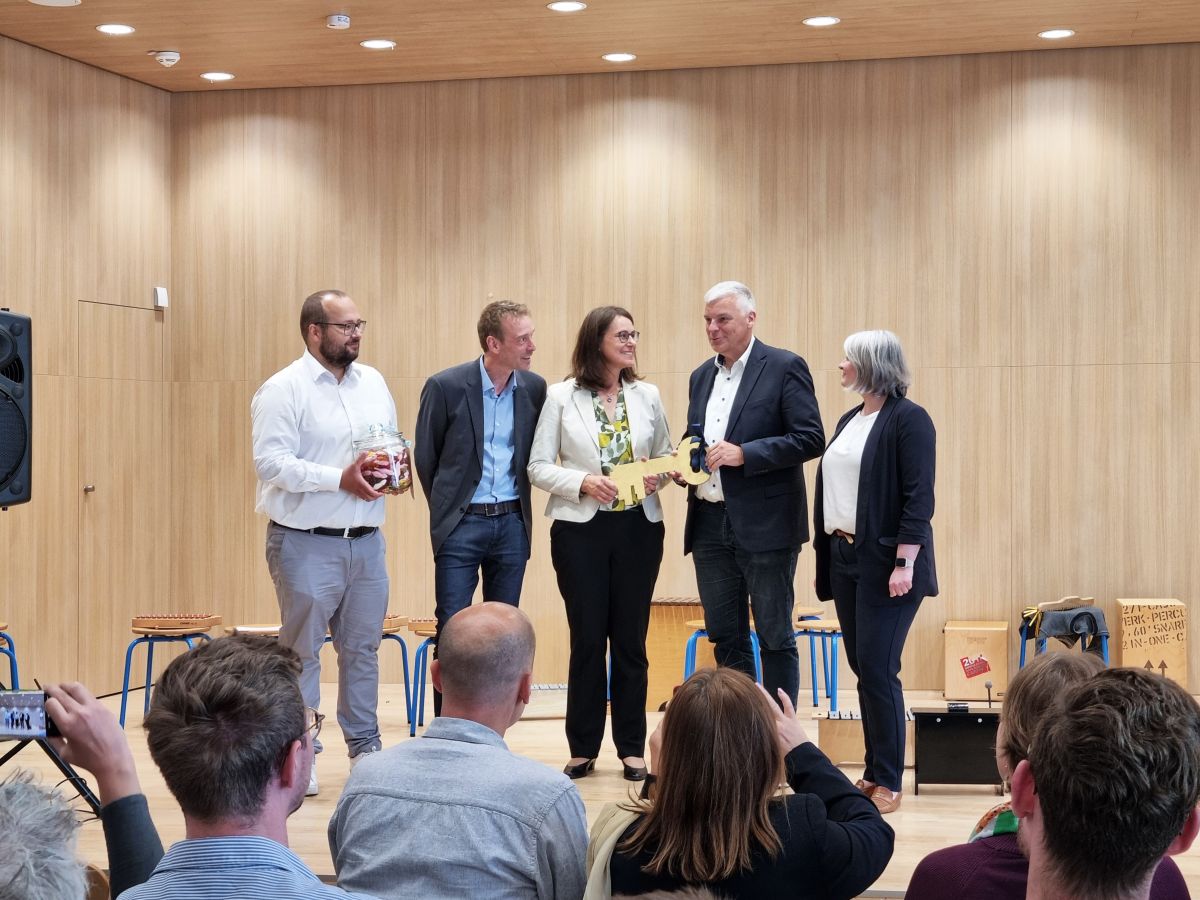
point(628, 476)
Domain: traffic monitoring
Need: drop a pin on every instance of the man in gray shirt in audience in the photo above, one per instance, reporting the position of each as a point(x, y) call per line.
point(454, 813)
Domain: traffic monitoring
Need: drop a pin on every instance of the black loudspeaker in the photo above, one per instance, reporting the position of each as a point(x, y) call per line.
point(16, 408)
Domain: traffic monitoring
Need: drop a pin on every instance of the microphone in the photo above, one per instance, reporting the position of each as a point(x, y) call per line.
point(988, 685)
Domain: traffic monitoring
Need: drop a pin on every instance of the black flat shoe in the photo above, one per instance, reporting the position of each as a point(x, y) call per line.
point(634, 773)
point(580, 771)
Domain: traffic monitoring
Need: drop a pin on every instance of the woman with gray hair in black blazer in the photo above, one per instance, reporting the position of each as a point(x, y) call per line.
point(874, 543)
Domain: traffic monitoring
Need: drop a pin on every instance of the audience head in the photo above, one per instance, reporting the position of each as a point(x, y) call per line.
point(38, 830)
point(719, 767)
point(226, 722)
point(879, 363)
point(485, 662)
point(1110, 785)
point(589, 361)
point(1033, 693)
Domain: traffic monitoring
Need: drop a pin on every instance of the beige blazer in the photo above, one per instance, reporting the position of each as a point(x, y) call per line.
point(566, 445)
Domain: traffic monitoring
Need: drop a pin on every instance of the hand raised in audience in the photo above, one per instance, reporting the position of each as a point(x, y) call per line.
point(791, 732)
point(92, 739)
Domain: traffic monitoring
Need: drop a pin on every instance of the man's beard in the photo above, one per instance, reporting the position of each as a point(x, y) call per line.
point(337, 355)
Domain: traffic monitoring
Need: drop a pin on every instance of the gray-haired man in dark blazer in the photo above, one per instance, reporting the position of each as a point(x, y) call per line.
point(474, 429)
point(756, 409)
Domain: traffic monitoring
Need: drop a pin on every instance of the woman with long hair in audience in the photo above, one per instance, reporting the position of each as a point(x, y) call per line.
point(713, 813)
point(991, 865)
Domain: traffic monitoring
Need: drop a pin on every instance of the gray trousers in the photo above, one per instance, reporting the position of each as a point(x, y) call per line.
point(340, 586)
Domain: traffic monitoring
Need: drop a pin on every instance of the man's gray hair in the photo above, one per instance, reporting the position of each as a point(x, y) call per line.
point(879, 359)
point(745, 299)
point(38, 831)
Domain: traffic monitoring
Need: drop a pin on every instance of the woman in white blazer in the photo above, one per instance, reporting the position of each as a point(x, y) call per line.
point(606, 550)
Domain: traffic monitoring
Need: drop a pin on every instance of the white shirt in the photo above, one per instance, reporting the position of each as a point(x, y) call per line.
point(839, 474)
point(717, 413)
point(303, 424)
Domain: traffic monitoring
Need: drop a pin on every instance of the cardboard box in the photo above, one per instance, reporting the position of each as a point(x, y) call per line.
point(976, 652)
point(1152, 634)
point(842, 740)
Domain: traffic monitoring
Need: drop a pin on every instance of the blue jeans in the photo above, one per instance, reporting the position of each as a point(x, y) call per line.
point(496, 544)
point(727, 574)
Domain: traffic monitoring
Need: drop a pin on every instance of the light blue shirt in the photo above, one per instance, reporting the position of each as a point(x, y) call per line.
point(499, 481)
point(453, 815)
point(245, 867)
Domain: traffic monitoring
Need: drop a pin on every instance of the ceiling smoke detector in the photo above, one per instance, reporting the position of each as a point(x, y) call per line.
point(338, 22)
point(165, 58)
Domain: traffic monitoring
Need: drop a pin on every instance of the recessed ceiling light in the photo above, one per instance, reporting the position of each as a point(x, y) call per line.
point(217, 76)
point(619, 57)
point(1056, 34)
point(566, 5)
point(115, 29)
point(821, 21)
point(378, 44)
point(56, 2)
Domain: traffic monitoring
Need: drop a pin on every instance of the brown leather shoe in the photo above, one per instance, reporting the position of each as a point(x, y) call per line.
point(867, 789)
point(886, 801)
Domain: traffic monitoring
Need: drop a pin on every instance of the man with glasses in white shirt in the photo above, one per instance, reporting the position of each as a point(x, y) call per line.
point(325, 550)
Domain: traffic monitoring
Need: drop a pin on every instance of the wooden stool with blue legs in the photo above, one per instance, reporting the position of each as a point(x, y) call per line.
point(427, 629)
point(9, 649)
point(167, 629)
point(826, 630)
point(809, 614)
point(1068, 619)
point(689, 652)
point(392, 625)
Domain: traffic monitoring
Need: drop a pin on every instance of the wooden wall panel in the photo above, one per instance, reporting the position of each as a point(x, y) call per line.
point(122, 342)
point(1105, 474)
point(210, 312)
point(125, 541)
point(711, 185)
point(1106, 269)
point(85, 182)
point(118, 148)
point(34, 172)
point(908, 206)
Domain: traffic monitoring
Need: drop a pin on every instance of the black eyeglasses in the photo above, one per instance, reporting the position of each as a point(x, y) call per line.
point(346, 328)
point(627, 337)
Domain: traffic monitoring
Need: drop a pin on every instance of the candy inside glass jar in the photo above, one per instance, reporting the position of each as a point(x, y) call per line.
point(389, 462)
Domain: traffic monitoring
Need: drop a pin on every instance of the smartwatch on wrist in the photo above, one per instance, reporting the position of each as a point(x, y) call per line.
point(903, 562)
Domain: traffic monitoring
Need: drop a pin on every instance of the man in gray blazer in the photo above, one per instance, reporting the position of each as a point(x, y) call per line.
point(474, 429)
point(755, 407)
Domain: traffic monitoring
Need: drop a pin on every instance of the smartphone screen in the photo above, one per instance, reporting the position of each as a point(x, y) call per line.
point(23, 716)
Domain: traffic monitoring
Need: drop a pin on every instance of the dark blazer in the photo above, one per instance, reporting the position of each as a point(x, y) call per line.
point(835, 843)
point(895, 499)
point(776, 422)
point(448, 448)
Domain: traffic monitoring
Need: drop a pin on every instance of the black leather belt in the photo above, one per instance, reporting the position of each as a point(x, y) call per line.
point(349, 533)
point(494, 509)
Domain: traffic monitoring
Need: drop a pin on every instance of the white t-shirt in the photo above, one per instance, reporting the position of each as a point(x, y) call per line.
point(839, 474)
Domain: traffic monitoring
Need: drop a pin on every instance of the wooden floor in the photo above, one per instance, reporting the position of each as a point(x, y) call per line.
point(938, 817)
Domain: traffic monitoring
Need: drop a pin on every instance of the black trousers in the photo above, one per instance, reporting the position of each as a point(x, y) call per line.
point(875, 627)
point(606, 570)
